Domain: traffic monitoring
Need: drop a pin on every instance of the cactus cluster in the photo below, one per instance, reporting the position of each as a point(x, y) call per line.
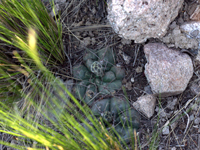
point(97, 75)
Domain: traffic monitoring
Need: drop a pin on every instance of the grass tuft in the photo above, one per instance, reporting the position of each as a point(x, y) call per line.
point(31, 44)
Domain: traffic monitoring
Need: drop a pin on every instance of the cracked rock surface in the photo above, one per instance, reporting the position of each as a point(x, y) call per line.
point(168, 71)
point(140, 20)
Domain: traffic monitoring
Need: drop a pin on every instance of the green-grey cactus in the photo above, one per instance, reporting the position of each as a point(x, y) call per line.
point(118, 112)
point(97, 74)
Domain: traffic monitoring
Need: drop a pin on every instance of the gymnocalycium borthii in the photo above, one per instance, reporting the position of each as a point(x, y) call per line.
point(97, 75)
point(116, 112)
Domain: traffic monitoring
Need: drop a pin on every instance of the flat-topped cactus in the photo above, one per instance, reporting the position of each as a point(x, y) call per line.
point(97, 75)
point(117, 112)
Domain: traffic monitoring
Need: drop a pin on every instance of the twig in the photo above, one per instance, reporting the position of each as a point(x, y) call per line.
point(198, 141)
point(135, 135)
point(136, 53)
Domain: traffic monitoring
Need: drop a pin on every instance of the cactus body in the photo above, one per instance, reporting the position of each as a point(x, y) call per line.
point(98, 69)
point(117, 111)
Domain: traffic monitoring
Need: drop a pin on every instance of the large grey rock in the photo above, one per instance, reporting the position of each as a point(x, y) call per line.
point(142, 19)
point(168, 71)
point(146, 105)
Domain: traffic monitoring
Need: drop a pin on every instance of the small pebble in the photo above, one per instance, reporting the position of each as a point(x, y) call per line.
point(197, 121)
point(132, 80)
point(192, 117)
point(173, 125)
point(165, 130)
point(173, 148)
point(173, 25)
point(125, 41)
point(147, 89)
point(129, 86)
point(139, 69)
point(171, 104)
point(126, 58)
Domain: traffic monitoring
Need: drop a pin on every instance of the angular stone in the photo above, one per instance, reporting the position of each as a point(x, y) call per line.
point(142, 19)
point(165, 130)
point(146, 105)
point(168, 71)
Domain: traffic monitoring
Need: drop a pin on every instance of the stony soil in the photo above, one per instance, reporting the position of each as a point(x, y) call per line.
point(86, 26)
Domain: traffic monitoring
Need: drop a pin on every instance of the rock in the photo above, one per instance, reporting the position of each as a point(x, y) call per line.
point(132, 79)
point(192, 117)
point(173, 125)
point(126, 58)
point(147, 89)
point(146, 105)
point(129, 86)
point(125, 41)
point(138, 69)
point(167, 71)
point(162, 113)
point(173, 148)
point(177, 39)
point(173, 25)
point(165, 130)
point(197, 121)
point(192, 29)
point(171, 104)
point(139, 19)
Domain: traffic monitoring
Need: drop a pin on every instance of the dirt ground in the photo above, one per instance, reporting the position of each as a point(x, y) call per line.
point(86, 26)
